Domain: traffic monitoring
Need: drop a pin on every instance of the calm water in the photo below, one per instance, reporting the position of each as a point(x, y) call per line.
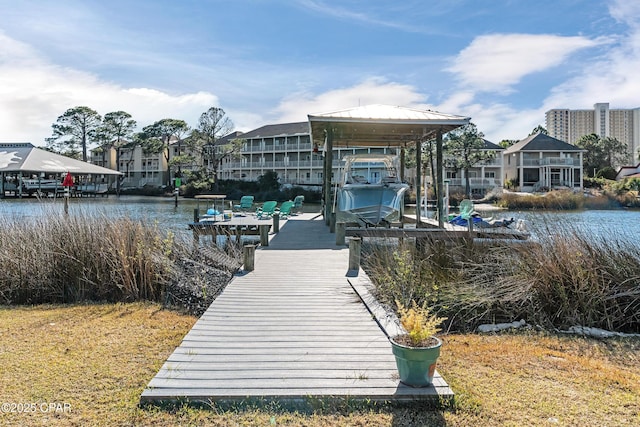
point(153, 209)
point(606, 223)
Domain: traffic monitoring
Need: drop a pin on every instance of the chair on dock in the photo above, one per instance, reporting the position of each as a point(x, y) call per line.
point(466, 216)
point(246, 203)
point(466, 209)
point(266, 210)
point(285, 209)
point(297, 204)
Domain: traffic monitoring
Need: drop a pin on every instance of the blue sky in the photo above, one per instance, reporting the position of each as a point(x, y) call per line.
point(501, 62)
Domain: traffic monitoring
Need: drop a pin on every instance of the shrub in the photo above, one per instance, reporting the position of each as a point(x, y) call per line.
point(419, 323)
point(563, 279)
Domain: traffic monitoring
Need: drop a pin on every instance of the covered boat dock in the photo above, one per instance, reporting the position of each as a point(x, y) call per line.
point(383, 126)
point(27, 169)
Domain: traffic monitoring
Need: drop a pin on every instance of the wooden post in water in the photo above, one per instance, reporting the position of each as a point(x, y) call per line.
point(249, 252)
point(355, 247)
point(196, 214)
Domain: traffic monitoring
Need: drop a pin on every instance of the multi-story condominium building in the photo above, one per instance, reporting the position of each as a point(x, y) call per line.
point(287, 150)
point(622, 124)
point(138, 167)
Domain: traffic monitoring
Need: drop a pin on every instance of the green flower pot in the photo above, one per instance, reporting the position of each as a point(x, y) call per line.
point(416, 365)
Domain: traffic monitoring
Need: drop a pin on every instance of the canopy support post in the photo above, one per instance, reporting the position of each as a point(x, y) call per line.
point(328, 166)
point(439, 178)
point(418, 184)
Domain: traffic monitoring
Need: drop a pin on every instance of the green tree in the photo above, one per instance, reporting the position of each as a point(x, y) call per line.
point(465, 148)
point(616, 152)
point(269, 181)
point(539, 129)
point(117, 132)
point(157, 137)
point(506, 143)
point(601, 153)
point(73, 131)
point(429, 161)
point(205, 142)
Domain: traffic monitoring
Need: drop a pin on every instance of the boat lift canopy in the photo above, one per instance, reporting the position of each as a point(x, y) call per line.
point(24, 157)
point(382, 126)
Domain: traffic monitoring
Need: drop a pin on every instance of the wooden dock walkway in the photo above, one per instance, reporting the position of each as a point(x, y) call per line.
point(293, 329)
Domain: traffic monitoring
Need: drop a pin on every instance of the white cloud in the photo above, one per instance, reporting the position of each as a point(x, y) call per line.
point(611, 78)
point(33, 93)
point(497, 62)
point(371, 91)
point(626, 11)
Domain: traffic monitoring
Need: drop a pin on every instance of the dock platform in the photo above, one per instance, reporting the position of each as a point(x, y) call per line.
point(295, 328)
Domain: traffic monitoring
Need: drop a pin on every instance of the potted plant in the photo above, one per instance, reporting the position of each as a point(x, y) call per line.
point(418, 349)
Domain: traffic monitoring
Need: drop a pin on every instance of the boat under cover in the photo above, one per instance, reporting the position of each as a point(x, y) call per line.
point(372, 193)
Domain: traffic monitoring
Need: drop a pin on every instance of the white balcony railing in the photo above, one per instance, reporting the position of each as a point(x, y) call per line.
point(473, 182)
point(558, 161)
point(550, 161)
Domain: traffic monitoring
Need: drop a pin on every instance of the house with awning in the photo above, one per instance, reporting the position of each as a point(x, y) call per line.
point(541, 162)
point(22, 164)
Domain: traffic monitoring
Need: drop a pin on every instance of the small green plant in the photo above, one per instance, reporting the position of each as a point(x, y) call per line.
point(421, 325)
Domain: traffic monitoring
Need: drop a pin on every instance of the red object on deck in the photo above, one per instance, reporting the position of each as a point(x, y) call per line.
point(68, 180)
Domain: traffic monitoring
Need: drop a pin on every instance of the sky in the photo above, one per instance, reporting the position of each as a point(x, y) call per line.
point(503, 63)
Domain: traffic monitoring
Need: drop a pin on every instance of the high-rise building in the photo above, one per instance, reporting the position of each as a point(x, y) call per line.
point(622, 124)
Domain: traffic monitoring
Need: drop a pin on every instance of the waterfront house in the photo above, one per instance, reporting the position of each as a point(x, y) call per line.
point(483, 176)
point(541, 162)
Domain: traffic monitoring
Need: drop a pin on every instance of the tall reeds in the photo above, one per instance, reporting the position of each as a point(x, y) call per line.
point(557, 200)
point(67, 258)
point(564, 278)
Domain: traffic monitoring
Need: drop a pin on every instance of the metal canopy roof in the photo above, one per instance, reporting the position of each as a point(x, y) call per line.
point(381, 125)
point(24, 157)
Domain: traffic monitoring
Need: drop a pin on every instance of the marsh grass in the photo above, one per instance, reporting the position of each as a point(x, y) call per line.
point(562, 279)
point(557, 200)
point(57, 258)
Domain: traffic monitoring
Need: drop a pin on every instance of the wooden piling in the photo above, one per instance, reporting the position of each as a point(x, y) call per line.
point(340, 230)
point(264, 234)
point(355, 247)
point(249, 252)
point(276, 222)
point(332, 222)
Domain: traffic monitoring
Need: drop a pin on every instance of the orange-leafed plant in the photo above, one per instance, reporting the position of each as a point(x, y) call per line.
point(421, 325)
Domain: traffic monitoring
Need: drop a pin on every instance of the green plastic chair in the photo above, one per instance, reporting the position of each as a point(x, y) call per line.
point(246, 203)
point(266, 210)
point(285, 209)
point(466, 212)
point(466, 209)
point(297, 204)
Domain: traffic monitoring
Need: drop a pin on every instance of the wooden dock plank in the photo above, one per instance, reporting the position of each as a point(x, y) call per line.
point(293, 328)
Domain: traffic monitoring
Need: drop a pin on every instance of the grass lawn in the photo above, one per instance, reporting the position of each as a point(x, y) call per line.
point(93, 361)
